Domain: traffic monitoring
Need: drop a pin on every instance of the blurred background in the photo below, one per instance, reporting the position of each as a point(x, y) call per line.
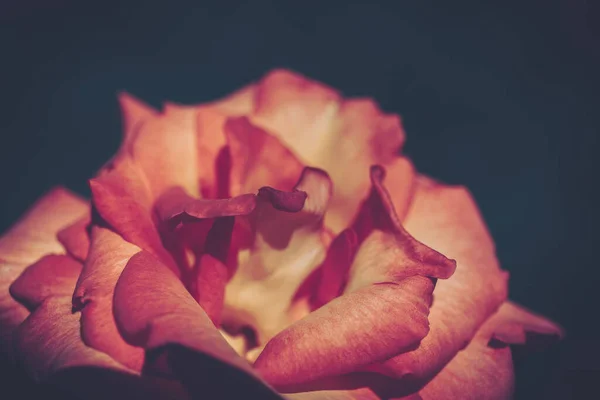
point(501, 97)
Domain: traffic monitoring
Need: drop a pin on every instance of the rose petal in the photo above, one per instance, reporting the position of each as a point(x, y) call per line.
point(258, 159)
point(35, 235)
point(154, 310)
point(447, 219)
point(166, 147)
point(212, 169)
point(400, 182)
point(517, 326)
point(134, 112)
point(93, 296)
point(287, 247)
point(238, 103)
point(49, 341)
point(382, 312)
point(75, 238)
point(483, 370)
point(52, 275)
point(123, 199)
point(315, 123)
point(31, 238)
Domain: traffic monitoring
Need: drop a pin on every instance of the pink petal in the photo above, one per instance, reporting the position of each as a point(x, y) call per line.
point(31, 238)
point(52, 275)
point(49, 341)
point(258, 159)
point(75, 238)
point(93, 296)
point(400, 182)
point(238, 103)
point(211, 150)
point(154, 310)
point(483, 370)
point(382, 312)
point(134, 112)
point(123, 199)
point(287, 246)
point(341, 137)
point(447, 219)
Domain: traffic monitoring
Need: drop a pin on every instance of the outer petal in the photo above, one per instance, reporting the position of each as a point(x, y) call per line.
point(94, 297)
point(383, 310)
point(342, 137)
point(446, 218)
point(154, 310)
point(75, 238)
point(483, 370)
point(52, 275)
point(27, 241)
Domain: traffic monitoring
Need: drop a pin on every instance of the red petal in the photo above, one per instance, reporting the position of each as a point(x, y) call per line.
point(287, 247)
point(258, 159)
point(31, 238)
point(383, 311)
point(94, 296)
point(75, 238)
point(134, 112)
point(447, 219)
point(154, 310)
point(53, 275)
point(124, 201)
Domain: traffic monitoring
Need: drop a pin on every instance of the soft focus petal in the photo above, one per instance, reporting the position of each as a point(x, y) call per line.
point(75, 238)
point(31, 238)
point(258, 159)
point(134, 113)
point(109, 254)
point(287, 247)
point(343, 138)
point(446, 219)
point(52, 275)
point(382, 312)
point(154, 310)
point(213, 164)
point(483, 370)
point(400, 182)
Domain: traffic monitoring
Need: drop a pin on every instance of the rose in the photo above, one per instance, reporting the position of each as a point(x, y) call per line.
point(272, 240)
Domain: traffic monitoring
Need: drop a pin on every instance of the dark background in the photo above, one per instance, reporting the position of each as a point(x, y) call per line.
point(501, 97)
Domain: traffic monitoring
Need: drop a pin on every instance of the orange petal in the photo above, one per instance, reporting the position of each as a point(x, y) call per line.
point(75, 238)
point(342, 137)
point(31, 238)
point(383, 310)
point(241, 102)
point(154, 310)
point(447, 219)
point(134, 113)
point(483, 370)
point(287, 247)
point(166, 150)
point(94, 297)
point(52, 275)
point(258, 159)
point(400, 182)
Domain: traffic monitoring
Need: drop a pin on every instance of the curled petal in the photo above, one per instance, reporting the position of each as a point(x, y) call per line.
point(75, 238)
point(314, 121)
point(258, 159)
point(287, 247)
point(154, 310)
point(382, 312)
point(93, 296)
point(447, 219)
point(31, 238)
point(52, 275)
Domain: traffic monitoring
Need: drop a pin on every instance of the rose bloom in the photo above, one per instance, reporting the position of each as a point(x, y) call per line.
point(273, 243)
